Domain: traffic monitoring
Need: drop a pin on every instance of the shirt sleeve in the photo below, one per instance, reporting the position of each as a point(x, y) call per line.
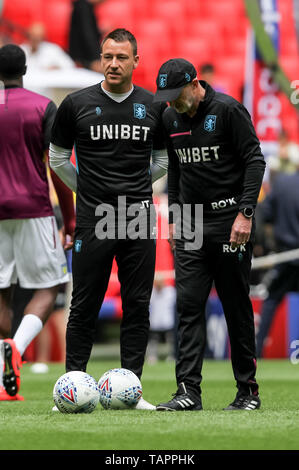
point(242, 134)
point(159, 137)
point(253, 178)
point(48, 120)
point(246, 146)
point(173, 182)
point(63, 130)
point(159, 164)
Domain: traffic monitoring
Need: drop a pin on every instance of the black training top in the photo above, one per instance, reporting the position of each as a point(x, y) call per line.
point(113, 144)
point(215, 157)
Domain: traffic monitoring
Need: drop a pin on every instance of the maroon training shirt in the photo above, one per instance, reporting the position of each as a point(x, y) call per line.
point(26, 120)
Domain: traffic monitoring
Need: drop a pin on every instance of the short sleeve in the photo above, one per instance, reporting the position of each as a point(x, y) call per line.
point(48, 120)
point(63, 130)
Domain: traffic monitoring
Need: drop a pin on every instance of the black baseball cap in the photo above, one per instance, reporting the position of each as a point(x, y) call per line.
point(172, 77)
point(12, 61)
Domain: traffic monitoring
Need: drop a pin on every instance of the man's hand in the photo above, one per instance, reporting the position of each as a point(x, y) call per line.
point(171, 239)
point(67, 236)
point(241, 230)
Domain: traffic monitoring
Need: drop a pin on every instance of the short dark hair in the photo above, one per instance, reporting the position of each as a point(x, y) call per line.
point(12, 61)
point(121, 35)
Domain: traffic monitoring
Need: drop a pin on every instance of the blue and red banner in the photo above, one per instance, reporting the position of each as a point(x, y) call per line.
point(270, 109)
point(261, 93)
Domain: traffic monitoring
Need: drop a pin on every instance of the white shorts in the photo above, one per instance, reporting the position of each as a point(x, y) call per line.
point(31, 252)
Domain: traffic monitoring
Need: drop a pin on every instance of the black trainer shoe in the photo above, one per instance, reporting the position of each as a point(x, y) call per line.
point(244, 402)
point(182, 400)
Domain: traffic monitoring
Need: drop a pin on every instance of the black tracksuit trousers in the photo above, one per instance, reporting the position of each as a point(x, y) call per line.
point(91, 268)
point(195, 273)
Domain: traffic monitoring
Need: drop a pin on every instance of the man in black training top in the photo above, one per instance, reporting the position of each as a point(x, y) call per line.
point(214, 160)
point(116, 130)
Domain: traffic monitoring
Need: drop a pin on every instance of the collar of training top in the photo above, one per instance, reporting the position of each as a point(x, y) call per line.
point(210, 93)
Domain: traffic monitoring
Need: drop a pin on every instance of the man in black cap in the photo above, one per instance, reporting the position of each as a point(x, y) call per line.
point(215, 163)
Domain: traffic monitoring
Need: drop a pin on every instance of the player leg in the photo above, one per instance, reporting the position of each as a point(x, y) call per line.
point(40, 265)
point(136, 269)
point(5, 312)
point(91, 266)
point(7, 275)
point(232, 276)
point(193, 283)
point(7, 278)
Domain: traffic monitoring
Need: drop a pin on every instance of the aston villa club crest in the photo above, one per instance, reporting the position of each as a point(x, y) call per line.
point(78, 245)
point(210, 123)
point(139, 111)
point(162, 80)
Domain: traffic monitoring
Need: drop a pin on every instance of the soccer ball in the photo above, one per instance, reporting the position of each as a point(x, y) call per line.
point(76, 392)
point(119, 389)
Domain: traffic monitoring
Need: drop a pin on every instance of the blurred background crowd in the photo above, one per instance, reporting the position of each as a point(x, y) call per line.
point(61, 40)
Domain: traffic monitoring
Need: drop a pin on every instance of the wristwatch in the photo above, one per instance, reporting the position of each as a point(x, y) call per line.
point(248, 212)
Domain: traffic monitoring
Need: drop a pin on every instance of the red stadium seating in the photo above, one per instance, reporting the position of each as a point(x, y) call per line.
point(56, 17)
point(199, 30)
point(115, 14)
point(22, 13)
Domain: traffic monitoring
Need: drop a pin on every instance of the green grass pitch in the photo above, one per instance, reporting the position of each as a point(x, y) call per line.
point(31, 425)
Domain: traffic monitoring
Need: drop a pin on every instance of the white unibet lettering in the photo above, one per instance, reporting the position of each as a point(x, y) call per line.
point(92, 133)
point(107, 132)
point(205, 154)
point(145, 129)
point(215, 148)
point(125, 131)
point(222, 204)
point(195, 154)
point(182, 155)
point(136, 133)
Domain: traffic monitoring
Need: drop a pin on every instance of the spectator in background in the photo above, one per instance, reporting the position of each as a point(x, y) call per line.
point(281, 210)
point(44, 55)
point(286, 159)
point(85, 36)
point(207, 73)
